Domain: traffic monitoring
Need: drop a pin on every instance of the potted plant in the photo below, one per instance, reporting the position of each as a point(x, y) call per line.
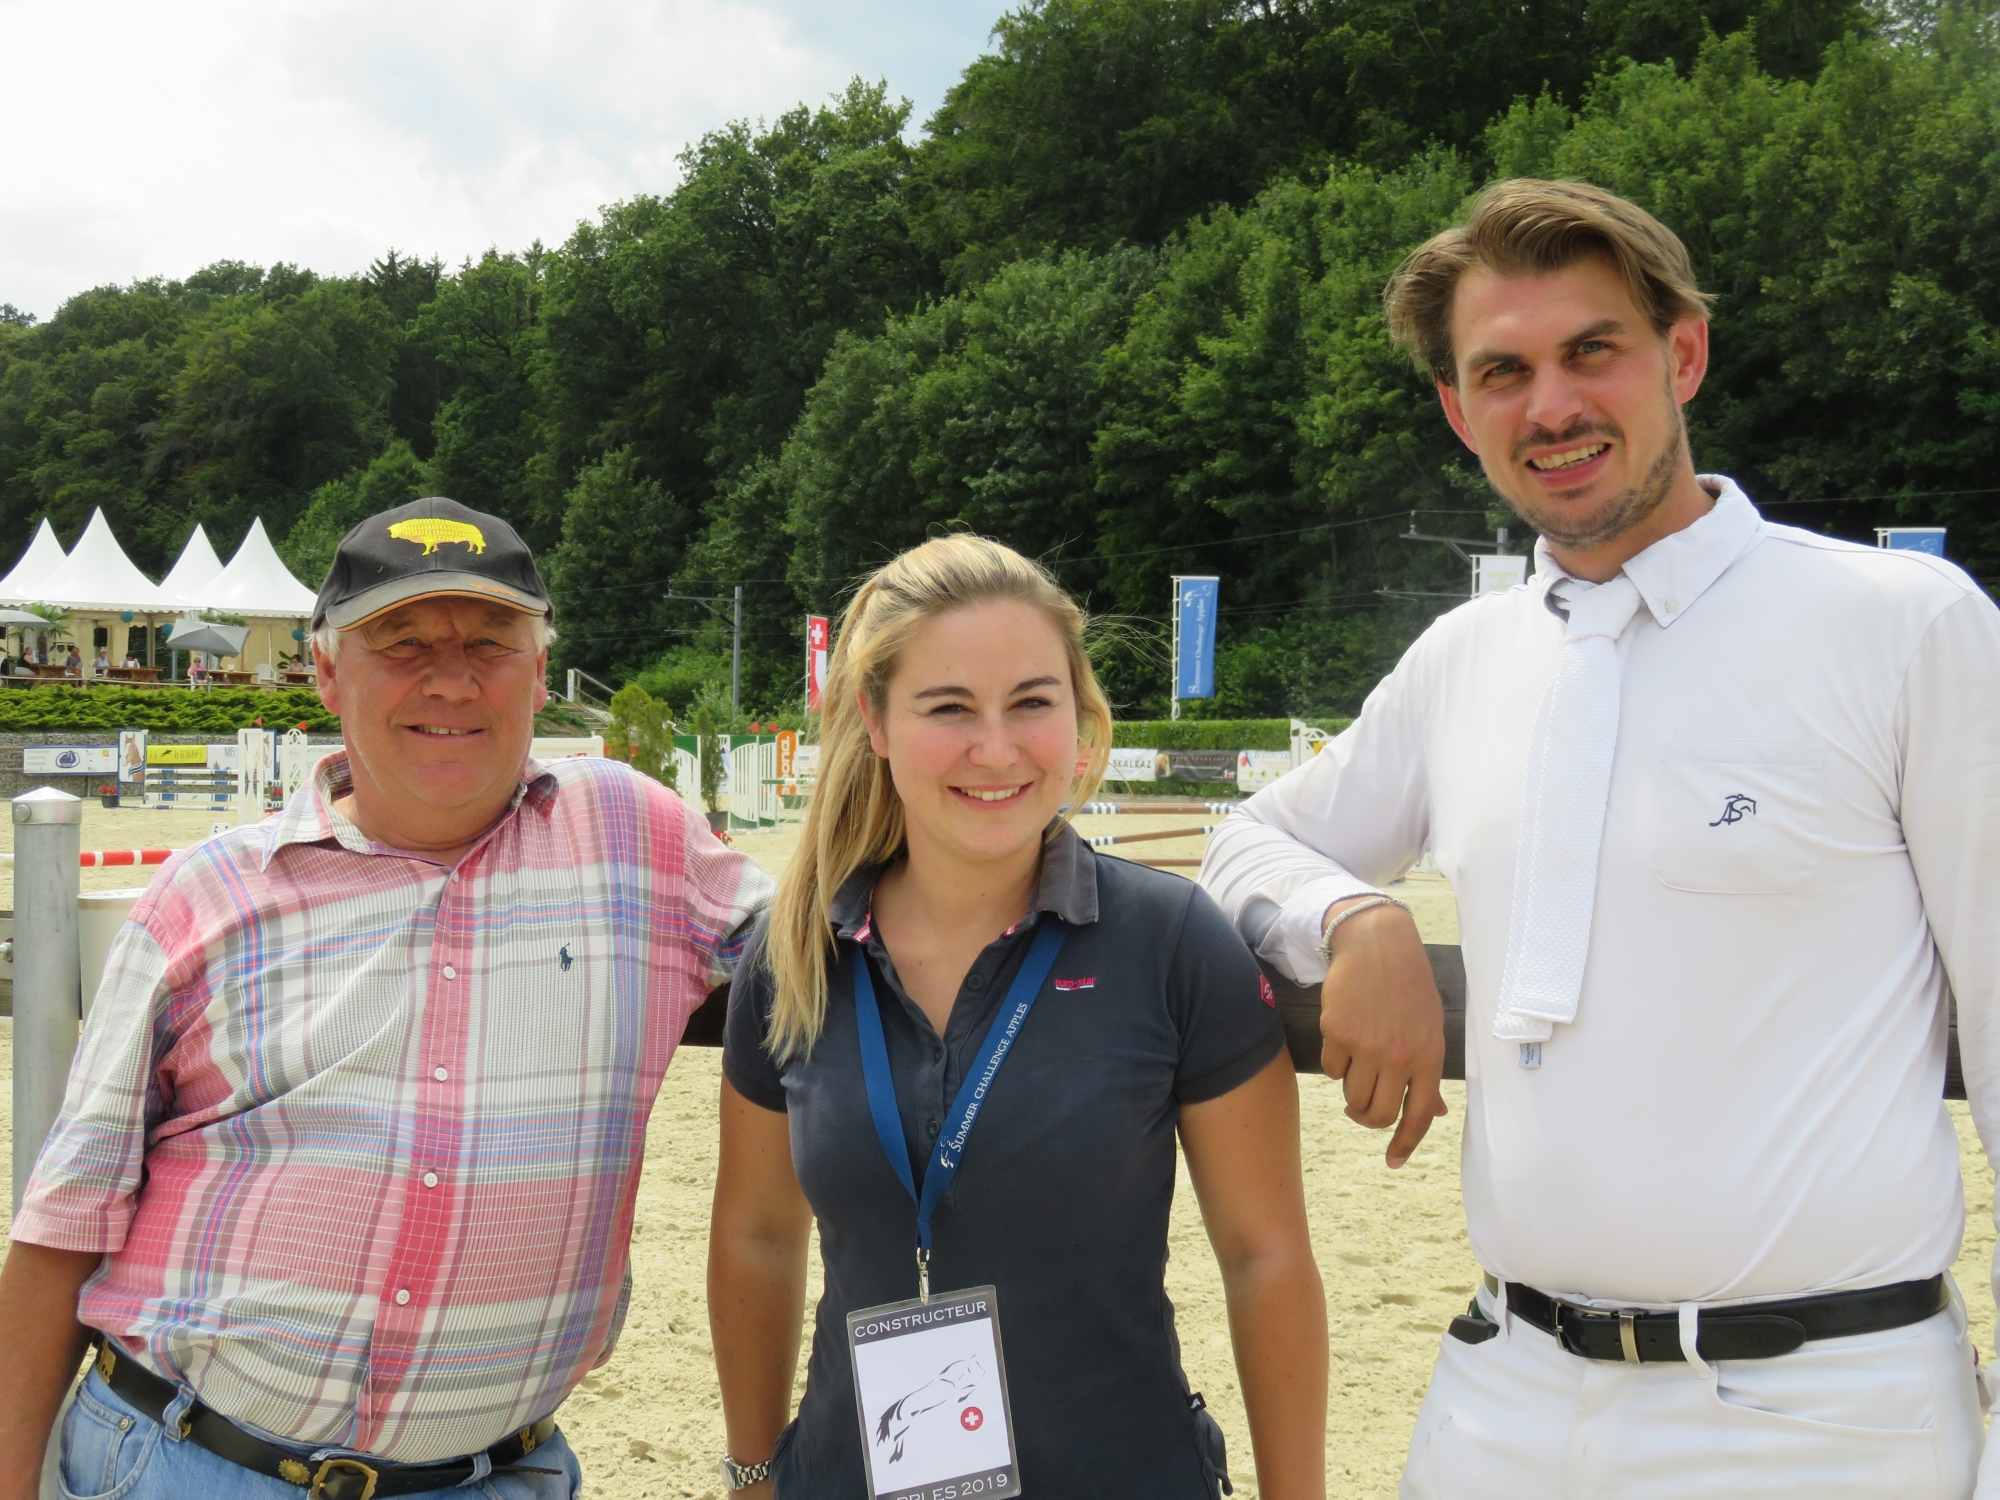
point(107, 793)
point(711, 767)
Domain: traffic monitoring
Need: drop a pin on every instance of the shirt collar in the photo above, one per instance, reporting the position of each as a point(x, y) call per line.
point(1677, 570)
point(310, 818)
point(1066, 888)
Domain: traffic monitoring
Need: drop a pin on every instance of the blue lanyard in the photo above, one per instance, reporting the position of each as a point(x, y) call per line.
point(971, 1093)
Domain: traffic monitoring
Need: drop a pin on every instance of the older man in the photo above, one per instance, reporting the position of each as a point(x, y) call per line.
point(1720, 801)
point(343, 1183)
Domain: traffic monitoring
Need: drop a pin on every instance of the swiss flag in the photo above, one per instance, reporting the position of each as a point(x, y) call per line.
point(972, 1419)
point(1264, 989)
point(816, 638)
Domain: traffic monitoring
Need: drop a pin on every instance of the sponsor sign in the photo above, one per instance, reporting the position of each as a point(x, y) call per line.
point(69, 760)
point(1131, 765)
point(131, 756)
point(1496, 575)
point(805, 762)
point(1195, 601)
point(1257, 769)
point(816, 648)
point(1912, 539)
point(1196, 765)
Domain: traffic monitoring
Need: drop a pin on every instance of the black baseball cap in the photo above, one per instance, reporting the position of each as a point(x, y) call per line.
point(423, 550)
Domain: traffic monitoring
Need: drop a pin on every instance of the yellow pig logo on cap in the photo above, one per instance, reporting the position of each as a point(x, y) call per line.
point(433, 534)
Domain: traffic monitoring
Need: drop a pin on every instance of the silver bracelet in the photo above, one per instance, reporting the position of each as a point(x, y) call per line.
point(1326, 937)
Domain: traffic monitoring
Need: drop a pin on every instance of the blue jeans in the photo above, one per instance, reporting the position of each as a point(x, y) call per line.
point(112, 1451)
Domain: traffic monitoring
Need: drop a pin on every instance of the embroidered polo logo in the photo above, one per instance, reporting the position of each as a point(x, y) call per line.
point(1265, 993)
point(1088, 982)
point(566, 959)
point(1735, 809)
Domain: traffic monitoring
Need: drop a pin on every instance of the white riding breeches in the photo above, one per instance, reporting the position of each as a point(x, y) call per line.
point(1884, 1414)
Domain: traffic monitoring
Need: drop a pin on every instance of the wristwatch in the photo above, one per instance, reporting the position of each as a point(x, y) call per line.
point(737, 1476)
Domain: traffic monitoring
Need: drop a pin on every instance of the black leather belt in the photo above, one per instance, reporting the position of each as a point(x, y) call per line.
point(1758, 1330)
point(328, 1479)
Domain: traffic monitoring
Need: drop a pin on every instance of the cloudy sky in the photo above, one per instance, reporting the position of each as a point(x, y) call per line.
point(147, 139)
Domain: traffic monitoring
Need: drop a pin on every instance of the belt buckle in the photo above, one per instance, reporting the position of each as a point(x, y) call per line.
point(1572, 1342)
point(344, 1466)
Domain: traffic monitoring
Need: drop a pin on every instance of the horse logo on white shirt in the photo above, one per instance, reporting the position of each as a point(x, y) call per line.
point(1735, 809)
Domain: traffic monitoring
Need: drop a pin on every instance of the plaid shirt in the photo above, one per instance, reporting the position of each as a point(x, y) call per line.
point(359, 1135)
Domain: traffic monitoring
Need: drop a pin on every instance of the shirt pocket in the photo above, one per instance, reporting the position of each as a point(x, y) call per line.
point(1736, 817)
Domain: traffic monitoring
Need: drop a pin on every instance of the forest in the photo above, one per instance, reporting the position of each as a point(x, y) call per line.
point(1117, 303)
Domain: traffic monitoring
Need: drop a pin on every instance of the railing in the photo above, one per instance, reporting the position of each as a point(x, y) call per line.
point(588, 696)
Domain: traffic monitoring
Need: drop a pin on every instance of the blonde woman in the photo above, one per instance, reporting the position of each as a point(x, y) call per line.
point(964, 1044)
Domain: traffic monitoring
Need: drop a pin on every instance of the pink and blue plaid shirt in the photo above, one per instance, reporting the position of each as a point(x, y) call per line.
point(358, 1135)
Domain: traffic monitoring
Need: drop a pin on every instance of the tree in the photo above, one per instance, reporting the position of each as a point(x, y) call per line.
point(622, 535)
point(396, 476)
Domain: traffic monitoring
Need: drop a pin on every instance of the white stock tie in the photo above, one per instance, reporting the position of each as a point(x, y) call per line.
point(1562, 822)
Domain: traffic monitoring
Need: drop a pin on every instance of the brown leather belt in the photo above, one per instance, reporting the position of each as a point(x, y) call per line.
point(1755, 1330)
point(342, 1478)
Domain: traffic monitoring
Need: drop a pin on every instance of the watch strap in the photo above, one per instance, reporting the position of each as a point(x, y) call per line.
point(737, 1476)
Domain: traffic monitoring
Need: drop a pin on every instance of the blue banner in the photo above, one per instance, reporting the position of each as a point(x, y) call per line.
point(1912, 539)
point(1194, 636)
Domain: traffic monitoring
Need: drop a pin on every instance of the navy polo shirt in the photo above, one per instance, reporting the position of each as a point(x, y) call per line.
point(1061, 1199)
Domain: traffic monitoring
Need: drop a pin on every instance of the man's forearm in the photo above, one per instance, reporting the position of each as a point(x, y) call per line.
point(44, 1341)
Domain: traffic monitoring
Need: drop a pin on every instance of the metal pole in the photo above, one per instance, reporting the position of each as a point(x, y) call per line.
point(736, 659)
point(1174, 661)
point(48, 968)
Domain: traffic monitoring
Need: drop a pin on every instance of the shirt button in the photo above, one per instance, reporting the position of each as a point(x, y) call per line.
point(402, 1296)
point(440, 1074)
point(930, 1127)
point(450, 972)
point(975, 981)
point(1672, 605)
point(430, 1179)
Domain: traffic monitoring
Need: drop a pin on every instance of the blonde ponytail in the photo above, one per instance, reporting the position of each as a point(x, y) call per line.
point(856, 818)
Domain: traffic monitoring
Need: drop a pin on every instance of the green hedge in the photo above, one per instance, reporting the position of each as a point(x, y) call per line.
point(1213, 734)
point(58, 709)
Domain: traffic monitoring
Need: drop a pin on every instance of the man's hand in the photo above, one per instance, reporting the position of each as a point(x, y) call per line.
point(45, 1344)
point(1381, 1023)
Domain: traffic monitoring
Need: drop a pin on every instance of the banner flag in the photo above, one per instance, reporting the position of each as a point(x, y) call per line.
point(816, 646)
point(1195, 601)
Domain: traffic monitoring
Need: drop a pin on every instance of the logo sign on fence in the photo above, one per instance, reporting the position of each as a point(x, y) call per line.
point(1130, 765)
point(1196, 765)
point(69, 760)
point(1257, 769)
point(131, 756)
point(1195, 602)
point(816, 647)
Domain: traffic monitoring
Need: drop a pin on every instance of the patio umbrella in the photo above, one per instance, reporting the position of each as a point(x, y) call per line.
point(216, 640)
point(9, 618)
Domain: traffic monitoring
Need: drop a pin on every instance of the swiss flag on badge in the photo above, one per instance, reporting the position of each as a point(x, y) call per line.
point(1264, 989)
point(971, 1419)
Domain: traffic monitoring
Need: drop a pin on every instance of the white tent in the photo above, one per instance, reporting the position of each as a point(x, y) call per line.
point(256, 584)
point(99, 579)
point(41, 562)
point(259, 587)
point(196, 570)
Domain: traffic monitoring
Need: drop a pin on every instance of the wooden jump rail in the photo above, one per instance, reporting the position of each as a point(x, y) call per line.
point(1104, 840)
point(1298, 1007)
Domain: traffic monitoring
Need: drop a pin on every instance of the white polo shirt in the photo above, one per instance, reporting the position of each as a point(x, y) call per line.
point(1748, 1102)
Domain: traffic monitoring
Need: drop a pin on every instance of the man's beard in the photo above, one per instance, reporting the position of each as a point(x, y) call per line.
point(1622, 511)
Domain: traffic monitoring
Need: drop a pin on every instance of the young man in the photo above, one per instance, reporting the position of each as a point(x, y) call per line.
point(1719, 800)
point(346, 1169)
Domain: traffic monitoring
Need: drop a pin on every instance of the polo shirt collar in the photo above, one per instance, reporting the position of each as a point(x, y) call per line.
point(311, 819)
point(1676, 570)
point(1065, 888)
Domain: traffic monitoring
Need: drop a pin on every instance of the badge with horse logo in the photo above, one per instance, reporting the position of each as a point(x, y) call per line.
point(1735, 808)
